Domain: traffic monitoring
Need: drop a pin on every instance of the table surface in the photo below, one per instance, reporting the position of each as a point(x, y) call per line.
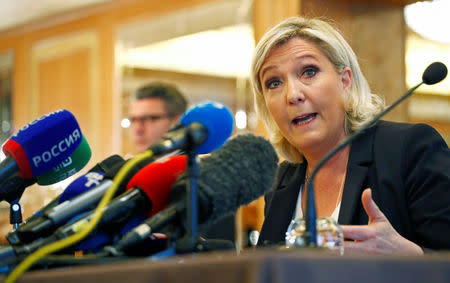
point(261, 265)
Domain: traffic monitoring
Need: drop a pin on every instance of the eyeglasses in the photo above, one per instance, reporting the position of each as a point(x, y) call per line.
point(147, 118)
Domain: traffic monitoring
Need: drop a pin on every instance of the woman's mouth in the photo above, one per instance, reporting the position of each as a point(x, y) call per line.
point(304, 119)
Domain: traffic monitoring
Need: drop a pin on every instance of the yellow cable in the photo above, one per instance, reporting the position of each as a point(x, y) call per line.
point(85, 229)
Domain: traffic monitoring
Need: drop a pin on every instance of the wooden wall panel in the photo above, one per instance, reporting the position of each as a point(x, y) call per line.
point(378, 38)
point(64, 83)
point(65, 74)
point(267, 13)
point(380, 50)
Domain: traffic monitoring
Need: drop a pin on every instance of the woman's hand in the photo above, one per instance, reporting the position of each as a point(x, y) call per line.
point(378, 237)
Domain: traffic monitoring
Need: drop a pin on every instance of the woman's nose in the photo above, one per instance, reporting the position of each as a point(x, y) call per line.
point(294, 92)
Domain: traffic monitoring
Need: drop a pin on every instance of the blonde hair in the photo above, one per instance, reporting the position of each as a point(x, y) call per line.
point(360, 104)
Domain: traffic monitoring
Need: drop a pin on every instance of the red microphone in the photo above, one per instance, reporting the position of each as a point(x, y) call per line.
point(157, 178)
point(147, 193)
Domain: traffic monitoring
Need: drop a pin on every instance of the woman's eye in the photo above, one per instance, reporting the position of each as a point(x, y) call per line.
point(310, 72)
point(272, 83)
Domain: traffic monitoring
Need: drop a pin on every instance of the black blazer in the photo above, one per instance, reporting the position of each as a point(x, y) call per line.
point(407, 166)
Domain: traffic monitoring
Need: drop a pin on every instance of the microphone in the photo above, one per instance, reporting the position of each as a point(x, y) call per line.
point(41, 145)
point(236, 174)
point(92, 178)
point(47, 222)
point(204, 127)
point(157, 178)
point(433, 74)
point(71, 191)
point(147, 193)
point(107, 164)
point(73, 164)
point(78, 187)
point(12, 188)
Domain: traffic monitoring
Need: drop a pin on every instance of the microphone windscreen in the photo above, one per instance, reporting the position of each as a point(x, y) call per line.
point(238, 173)
point(157, 178)
point(74, 163)
point(81, 185)
point(217, 119)
point(434, 73)
point(44, 143)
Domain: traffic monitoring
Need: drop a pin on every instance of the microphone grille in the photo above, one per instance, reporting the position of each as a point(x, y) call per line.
point(238, 173)
point(434, 73)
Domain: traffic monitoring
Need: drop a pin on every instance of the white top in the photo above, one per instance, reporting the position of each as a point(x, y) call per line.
point(299, 212)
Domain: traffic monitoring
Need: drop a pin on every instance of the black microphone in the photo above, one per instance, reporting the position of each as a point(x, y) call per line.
point(236, 174)
point(70, 192)
point(47, 222)
point(103, 166)
point(433, 74)
point(147, 193)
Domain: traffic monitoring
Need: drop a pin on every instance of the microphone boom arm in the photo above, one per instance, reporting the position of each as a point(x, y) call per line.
point(310, 235)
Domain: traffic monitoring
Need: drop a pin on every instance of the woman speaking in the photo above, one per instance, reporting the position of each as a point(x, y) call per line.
point(389, 189)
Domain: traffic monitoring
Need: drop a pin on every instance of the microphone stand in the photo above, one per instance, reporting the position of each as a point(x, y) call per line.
point(192, 211)
point(310, 235)
point(189, 242)
point(15, 214)
point(433, 74)
point(12, 190)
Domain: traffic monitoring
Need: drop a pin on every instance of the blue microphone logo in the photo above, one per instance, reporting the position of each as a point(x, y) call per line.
point(58, 148)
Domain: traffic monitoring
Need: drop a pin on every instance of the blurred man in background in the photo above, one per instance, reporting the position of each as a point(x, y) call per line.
point(155, 108)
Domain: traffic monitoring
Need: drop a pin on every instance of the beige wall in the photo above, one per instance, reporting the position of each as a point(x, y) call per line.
point(376, 32)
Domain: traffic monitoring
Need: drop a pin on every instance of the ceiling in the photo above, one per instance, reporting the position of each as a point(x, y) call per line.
point(14, 13)
point(150, 54)
point(18, 12)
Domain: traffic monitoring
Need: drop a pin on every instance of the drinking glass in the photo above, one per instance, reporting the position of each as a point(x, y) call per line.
point(329, 234)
